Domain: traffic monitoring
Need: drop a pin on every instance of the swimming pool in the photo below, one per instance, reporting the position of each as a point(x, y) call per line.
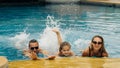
point(77, 23)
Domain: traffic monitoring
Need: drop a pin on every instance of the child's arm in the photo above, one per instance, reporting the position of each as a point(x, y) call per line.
point(58, 35)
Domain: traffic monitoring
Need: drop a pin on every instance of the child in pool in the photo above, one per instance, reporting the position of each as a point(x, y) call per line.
point(34, 51)
point(65, 47)
point(96, 49)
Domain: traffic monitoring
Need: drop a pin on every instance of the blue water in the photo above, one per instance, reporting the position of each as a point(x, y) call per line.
point(77, 23)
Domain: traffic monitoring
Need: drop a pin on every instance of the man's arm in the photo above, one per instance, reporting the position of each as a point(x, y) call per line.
point(31, 55)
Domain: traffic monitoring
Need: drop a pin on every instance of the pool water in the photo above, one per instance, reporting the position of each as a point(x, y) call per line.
point(77, 23)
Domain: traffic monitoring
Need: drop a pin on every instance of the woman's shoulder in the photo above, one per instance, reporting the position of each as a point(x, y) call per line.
point(85, 52)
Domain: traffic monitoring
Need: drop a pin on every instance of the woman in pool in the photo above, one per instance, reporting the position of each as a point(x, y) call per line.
point(34, 51)
point(65, 47)
point(96, 48)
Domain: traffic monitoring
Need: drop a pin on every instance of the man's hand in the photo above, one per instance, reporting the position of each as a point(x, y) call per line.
point(33, 56)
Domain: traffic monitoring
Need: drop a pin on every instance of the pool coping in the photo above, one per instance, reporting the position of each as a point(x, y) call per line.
point(3, 62)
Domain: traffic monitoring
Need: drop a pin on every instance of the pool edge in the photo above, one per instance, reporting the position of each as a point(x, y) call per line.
point(3, 62)
point(100, 3)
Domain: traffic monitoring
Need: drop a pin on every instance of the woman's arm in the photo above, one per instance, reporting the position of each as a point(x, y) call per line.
point(104, 54)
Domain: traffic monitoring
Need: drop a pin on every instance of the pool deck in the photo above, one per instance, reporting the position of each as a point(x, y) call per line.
point(3, 62)
point(69, 62)
point(110, 3)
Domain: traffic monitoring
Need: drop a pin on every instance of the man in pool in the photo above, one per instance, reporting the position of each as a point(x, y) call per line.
point(34, 51)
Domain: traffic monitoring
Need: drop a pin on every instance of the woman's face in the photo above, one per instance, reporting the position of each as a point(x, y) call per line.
point(97, 43)
point(66, 50)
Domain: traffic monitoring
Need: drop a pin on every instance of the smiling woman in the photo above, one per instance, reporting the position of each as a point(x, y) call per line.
point(96, 48)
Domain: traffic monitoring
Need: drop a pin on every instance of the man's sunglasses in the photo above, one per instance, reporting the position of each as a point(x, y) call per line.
point(32, 48)
point(97, 42)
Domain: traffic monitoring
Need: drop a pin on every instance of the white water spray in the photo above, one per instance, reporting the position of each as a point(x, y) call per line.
point(81, 44)
point(51, 22)
point(20, 40)
point(48, 40)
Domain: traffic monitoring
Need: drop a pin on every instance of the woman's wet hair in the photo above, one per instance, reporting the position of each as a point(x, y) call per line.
point(32, 41)
point(64, 44)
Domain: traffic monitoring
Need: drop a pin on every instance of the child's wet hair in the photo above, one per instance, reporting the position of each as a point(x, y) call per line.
point(64, 44)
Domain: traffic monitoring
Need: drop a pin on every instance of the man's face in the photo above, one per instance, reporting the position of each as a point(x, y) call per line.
point(34, 46)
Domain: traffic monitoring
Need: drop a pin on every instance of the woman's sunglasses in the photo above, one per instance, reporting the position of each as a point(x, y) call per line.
point(32, 48)
point(97, 42)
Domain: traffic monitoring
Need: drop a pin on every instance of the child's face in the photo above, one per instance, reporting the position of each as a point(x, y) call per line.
point(66, 50)
point(34, 46)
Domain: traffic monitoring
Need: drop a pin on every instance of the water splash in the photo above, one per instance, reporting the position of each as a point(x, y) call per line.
point(51, 22)
point(20, 40)
point(82, 44)
point(48, 40)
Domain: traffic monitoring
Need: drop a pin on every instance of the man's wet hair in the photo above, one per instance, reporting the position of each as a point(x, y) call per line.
point(32, 41)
